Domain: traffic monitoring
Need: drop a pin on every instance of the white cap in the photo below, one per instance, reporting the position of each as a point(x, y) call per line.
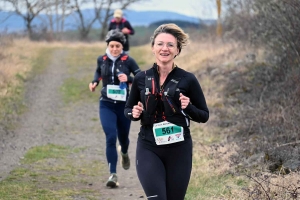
point(118, 13)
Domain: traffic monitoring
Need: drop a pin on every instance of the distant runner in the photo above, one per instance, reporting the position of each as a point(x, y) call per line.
point(114, 69)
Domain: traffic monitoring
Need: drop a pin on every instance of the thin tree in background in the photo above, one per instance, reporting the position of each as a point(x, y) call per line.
point(83, 23)
point(61, 12)
point(28, 10)
point(219, 25)
point(103, 20)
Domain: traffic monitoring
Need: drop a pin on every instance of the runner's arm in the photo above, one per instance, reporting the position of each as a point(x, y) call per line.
point(134, 97)
point(197, 109)
point(134, 69)
point(128, 25)
point(97, 75)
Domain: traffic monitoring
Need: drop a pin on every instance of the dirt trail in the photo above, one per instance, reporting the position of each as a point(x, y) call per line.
point(48, 121)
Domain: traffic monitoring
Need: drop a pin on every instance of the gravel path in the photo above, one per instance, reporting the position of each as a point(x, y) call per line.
point(47, 120)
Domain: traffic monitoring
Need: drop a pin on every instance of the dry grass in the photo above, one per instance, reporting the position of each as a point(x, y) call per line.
point(17, 55)
point(243, 149)
point(22, 59)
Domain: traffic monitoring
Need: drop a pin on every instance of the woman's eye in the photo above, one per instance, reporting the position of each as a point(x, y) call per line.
point(113, 46)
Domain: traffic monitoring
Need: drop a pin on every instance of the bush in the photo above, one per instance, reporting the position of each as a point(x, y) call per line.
point(274, 24)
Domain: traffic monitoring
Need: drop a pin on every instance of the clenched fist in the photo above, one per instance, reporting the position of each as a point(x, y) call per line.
point(137, 110)
point(184, 101)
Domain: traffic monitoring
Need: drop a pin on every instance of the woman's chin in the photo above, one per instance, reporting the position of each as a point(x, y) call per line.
point(165, 60)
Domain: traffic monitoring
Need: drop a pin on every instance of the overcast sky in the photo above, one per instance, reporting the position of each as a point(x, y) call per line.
point(205, 9)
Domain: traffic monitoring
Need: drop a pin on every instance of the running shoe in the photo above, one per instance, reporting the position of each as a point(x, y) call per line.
point(112, 181)
point(125, 161)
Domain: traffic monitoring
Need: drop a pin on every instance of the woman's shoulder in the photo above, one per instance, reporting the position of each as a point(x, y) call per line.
point(185, 73)
point(129, 58)
point(102, 57)
point(140, 75)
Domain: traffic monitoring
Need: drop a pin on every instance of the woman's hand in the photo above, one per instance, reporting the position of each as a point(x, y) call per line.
point(184, 101)
point(122, 77)
point(137, 110)
point(125, 30)
point(92, 86)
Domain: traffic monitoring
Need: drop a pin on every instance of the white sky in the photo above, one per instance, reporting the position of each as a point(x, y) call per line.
point(204, 9)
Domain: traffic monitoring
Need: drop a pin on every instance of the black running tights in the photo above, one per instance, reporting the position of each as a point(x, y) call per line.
point(164, 171)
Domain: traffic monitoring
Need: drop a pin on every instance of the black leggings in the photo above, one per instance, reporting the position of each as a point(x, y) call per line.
point(164, 171)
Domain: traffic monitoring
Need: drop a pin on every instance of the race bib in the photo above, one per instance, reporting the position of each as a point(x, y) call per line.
point(167, 133)
point(114, 92)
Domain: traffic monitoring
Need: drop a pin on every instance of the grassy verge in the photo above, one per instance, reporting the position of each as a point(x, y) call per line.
point(39, 178)
point(54, 171)
point(12, 102)
point(82, 63)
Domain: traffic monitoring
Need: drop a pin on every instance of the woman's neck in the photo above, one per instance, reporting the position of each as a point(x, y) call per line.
point(113, 58)
point(164, 70)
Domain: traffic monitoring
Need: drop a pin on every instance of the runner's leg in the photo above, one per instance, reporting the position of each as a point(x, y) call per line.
point(108, 121)
point(123, 127)
point(151, 172)
point(178, 167)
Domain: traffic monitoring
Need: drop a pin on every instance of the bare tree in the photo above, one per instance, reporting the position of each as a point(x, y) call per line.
point(60, 21)
point(56, 14)
point(83, 23)
point(28, 10)
point(57, 10)
point(274, 24)
point(50, 19)
point(102, 13)
point(103, 20)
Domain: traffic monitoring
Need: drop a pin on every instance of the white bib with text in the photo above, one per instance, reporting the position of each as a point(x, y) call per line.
point(167, 133)
point(114, 92)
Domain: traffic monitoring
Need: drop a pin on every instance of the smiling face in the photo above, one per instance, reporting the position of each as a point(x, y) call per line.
point(115, 48)
point(165, 48)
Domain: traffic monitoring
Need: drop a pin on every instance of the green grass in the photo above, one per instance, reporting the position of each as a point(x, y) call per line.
point(43, 152)
point(40, 63)
point(52, 172)
point(23, 191)
point(74, 90)
point(81, 65)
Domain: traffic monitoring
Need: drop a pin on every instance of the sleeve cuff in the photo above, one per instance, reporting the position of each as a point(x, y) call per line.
point(95, 82)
